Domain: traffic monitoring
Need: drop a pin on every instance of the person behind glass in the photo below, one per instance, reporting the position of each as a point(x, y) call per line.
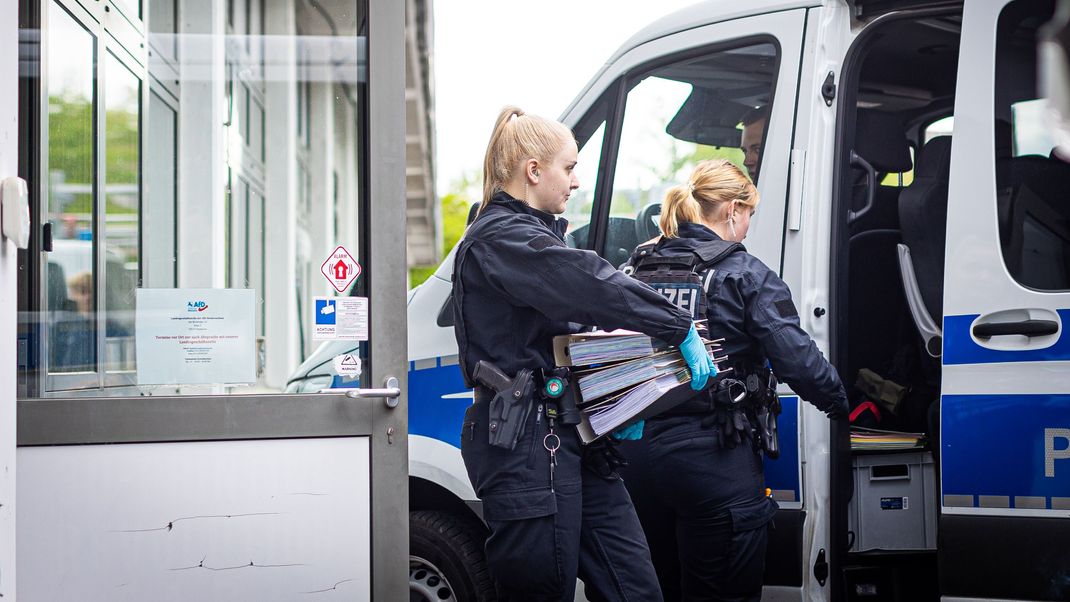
point(516, 285)
point(700, 465)
point(754, 124)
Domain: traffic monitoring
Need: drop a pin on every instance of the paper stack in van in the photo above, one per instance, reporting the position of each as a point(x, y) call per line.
point(879, 440)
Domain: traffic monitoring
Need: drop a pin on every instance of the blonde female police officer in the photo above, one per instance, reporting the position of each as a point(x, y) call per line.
point(516, 285)
point(699, 467)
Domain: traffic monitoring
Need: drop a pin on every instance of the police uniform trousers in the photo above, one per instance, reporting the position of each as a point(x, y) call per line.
point(540, 539)
point(703, 508)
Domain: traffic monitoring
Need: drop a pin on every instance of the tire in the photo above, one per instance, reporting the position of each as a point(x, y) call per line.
point(446, 559)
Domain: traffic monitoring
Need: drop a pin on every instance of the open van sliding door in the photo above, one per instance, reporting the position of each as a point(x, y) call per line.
point(1005, 405)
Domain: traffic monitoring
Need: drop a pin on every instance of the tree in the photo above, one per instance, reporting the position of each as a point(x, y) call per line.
point(455, 206)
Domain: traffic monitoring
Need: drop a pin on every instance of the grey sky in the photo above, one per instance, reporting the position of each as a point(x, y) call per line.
point(535, 54)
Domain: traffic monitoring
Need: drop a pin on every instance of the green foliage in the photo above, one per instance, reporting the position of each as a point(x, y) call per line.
point(454, 217)
point(418, 275)
point(70, 153)
point(681, 164)
point(121, 147)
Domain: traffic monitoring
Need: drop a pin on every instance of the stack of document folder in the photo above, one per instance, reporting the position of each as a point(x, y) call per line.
point(623, 377)
point(599, 382)
point(607, 414)
point(600, 347)
point(878, 440)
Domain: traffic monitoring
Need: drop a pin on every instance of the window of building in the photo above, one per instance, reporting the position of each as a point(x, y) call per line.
point(153, 176)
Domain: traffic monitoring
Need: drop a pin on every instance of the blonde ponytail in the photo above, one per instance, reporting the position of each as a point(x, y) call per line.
point(713, 184)
point(516, 138)
point(679, 206)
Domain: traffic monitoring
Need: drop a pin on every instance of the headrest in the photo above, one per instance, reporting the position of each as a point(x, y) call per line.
point(934, 159)
point(881, 139)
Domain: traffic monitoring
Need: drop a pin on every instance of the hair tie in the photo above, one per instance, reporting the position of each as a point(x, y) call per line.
point(691, 185)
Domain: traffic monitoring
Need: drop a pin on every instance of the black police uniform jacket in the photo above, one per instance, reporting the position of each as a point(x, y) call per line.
point(516, 285)
point(751, 307)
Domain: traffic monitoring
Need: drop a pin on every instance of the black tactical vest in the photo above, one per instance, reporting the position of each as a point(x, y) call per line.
point(684, 278)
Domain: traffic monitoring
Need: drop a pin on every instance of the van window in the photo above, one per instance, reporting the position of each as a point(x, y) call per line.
point(678, 115)
point(945, 126)
point(581, 201)
point(1031, 183)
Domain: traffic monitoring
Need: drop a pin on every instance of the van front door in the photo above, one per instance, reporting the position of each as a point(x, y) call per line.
point(1005, 405)
point(719, 91)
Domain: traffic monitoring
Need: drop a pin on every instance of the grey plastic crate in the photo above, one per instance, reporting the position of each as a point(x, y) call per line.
point(894, 503)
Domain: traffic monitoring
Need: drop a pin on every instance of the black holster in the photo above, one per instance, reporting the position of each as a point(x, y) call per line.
point(747, 409)
point(761, 388)
point(510, 405)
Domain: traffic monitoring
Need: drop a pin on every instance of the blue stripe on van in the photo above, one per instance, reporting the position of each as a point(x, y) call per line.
point(782, 474)
point(438, 400)
point(995, 445)
point(960, 348)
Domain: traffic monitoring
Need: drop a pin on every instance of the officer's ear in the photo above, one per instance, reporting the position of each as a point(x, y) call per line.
point(531, 171)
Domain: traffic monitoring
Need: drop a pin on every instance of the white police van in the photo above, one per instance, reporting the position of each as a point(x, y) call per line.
point(911, 201)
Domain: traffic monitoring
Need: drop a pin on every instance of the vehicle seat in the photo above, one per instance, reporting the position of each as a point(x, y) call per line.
point(880, 140)
point(646, 222)
point(923, 222)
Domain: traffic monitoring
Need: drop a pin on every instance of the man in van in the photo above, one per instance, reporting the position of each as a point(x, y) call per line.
point(750, 142)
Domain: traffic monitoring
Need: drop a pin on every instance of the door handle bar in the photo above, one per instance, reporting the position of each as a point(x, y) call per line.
point(390, 392)
point(1029, 328)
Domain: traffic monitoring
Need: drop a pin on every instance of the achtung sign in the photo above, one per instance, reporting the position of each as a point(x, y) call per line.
point(340, 269)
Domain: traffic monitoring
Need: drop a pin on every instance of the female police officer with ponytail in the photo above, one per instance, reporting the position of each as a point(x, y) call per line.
point(516, 285)
point(702, 500)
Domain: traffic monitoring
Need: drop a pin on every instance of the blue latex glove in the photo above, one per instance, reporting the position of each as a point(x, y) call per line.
point(698, 361)
point(632, 432)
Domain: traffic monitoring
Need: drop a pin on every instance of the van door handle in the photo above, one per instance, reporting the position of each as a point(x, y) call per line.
point(1029, 328)
point(390, 392)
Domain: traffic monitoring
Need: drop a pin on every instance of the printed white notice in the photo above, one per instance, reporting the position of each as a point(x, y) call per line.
point(195, 336)
point(340, 319)
point(347, 364)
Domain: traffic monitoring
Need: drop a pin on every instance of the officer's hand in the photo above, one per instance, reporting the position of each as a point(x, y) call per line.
point(632, 432)
point(837, 411)
point(698, 360)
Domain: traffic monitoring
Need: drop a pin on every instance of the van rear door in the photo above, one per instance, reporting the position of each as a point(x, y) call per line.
point(1005, 405)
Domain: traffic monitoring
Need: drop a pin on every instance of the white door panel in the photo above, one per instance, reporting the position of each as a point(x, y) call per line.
point(1006, 352)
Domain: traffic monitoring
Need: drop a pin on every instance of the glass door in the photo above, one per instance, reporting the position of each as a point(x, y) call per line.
point(206, 193)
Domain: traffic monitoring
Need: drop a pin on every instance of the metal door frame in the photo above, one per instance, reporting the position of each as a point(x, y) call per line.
point(9, 152)
point(61, 421)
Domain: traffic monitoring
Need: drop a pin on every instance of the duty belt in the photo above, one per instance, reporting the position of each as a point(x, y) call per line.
point(745, 396)
point(511, 399)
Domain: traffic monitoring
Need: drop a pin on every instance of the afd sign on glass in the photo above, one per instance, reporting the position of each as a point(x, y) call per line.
point(196, 306)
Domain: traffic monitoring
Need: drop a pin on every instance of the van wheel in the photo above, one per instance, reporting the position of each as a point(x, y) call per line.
point(446, 561)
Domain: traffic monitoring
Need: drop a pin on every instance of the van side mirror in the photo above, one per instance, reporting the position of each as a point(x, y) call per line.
point(445, 313)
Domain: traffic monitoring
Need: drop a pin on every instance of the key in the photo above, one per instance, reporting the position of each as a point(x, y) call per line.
point(552, 442)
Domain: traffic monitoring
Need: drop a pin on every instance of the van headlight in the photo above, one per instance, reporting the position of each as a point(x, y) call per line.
point(312, 384)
